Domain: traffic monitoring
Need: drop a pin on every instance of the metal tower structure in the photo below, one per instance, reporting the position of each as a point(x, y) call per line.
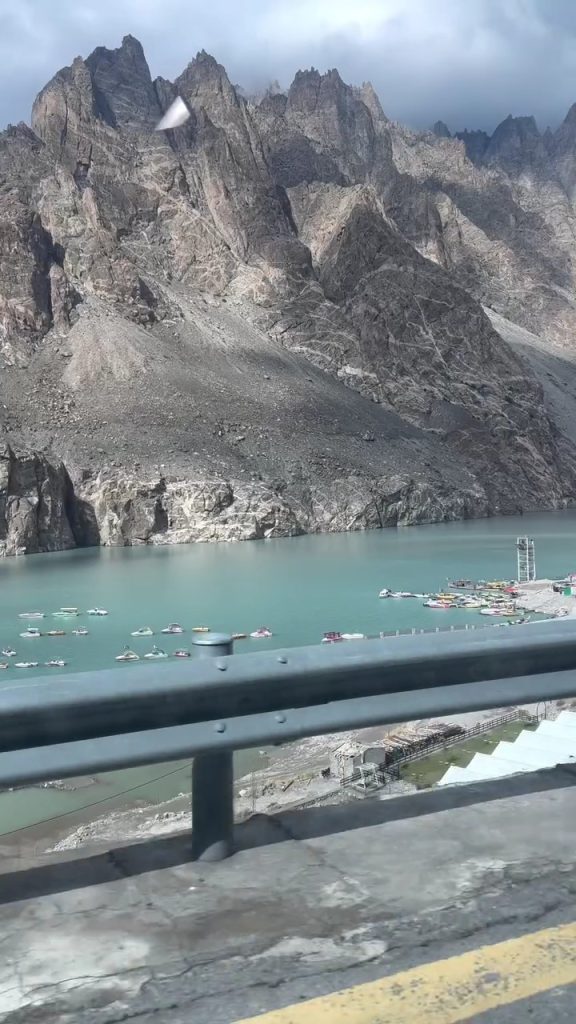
point(526, 559)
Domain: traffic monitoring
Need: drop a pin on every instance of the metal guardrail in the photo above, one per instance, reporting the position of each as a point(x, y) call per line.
point(78, 724)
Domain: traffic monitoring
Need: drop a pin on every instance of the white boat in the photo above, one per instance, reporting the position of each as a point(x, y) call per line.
point(181, 654)
point(55, 663)
point(66, 613)
point(32, 615)
point(8, 652)
point(155, 654)
point(172, 628)
point(32, 633)
point(435, 603)
point(80, 632)
point(353, 636)
point(96, 611)
point(385, 592)
point(4, 664)
point(127, 655)
point(261, 633)
point(26, 664)
point(144, 631)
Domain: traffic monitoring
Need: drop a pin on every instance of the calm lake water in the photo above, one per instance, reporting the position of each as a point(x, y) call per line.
point(300, 587)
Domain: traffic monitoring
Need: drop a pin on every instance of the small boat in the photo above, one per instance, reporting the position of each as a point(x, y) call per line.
point(32, 615)
point(239, 636)
point(127, 655)
point(80, 632)
point(332, 637)
point(8, 652)
point(155, 654)
point(261, 633)
point(354, 636)
point(144, 631)
point(55, 663)
point(26, 664)
point(54, 632)
point(96, 611)
point(181, 654)
point(32, 633)
point(433, 602)
point(173, 627)
point(69, 609)
point(3, 664)
point(386, 592)
point(69, 613)
point(200, 629)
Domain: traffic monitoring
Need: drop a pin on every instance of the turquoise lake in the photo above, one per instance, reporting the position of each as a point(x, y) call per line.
point(300, 587)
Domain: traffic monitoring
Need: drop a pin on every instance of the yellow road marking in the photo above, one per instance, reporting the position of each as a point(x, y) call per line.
point(448, 991)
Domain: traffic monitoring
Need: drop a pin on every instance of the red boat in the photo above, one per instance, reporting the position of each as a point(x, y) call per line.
point(332, 637)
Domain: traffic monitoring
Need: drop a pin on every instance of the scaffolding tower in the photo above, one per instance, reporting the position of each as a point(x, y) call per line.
point(526, 559)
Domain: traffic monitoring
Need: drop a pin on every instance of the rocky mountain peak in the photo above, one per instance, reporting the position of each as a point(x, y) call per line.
point(475, 143)
point(441, 130)
point(517, 147)
point(65, 107)
point(569, 120)
point(123, 84)
point(548, 139)
point(565, 134)
point(516, 128)
point(205, 85)
point(563, 149)
point(311, 91)
point(368, 95)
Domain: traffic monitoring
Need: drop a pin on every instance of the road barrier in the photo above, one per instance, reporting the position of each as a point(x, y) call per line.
point(79, 724)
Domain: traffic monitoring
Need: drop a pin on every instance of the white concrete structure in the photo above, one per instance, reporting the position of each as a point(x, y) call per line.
point(552, 743)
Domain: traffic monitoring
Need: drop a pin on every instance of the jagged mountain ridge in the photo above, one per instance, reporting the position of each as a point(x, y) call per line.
point(269, 320)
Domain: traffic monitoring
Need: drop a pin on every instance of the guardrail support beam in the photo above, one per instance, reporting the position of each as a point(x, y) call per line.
point(213, 780)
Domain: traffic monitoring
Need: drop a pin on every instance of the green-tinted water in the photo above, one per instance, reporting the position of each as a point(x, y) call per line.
point(299, 587)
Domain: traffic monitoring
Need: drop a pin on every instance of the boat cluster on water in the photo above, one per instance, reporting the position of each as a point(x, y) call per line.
point(63, 613)
point(488, 597)
point(172, 629)
point(35, 633)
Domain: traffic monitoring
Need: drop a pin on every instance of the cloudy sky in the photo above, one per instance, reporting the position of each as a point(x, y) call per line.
point(469, 62)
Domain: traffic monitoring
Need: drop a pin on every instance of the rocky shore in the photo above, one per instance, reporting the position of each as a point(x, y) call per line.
point(540, 597)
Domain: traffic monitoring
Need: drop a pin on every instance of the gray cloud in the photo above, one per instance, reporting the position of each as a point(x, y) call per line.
point(469, 62)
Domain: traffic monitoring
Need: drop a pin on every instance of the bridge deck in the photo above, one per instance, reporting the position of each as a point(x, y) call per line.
point(316, 901)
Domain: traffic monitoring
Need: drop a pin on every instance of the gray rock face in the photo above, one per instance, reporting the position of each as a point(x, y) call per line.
point(269, 320)
point(38, 508)
point(130, 512)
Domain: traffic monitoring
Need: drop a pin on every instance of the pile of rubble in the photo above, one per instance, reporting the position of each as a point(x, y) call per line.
point(413, 737)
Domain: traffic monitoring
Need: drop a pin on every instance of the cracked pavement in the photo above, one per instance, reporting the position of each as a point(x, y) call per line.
point(315, 900)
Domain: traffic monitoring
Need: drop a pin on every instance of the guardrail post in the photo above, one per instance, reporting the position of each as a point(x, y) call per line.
point(213, 780)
